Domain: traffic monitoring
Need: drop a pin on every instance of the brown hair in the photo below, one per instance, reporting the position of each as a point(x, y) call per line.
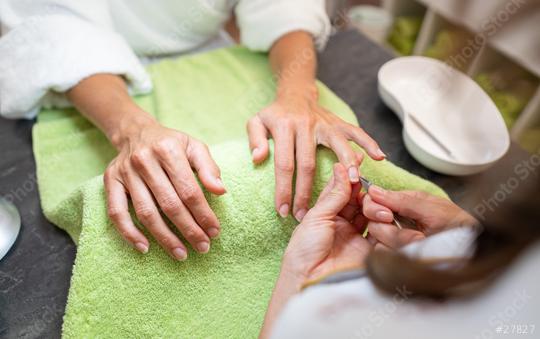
point(507, 229)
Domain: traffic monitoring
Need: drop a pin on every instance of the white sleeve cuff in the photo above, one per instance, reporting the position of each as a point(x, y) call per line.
point(262, 22)
point(43, 57)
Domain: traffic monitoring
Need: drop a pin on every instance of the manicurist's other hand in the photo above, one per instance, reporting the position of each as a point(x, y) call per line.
point(430, 214)
point(329, 238)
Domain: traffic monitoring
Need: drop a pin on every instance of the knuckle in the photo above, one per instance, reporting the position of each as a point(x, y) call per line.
point(114, 213)
point(307, 166)
point(208, 221)
point(139, 158)
point(284, 192)
point(302, 198)
point(108, 175)
point(190, 233)
point(337, 193)
point(203, 220)
point(144, 213)
point(189, 193)
point(165, 147)
point(166, 241)
point(287, 124)
point(169, 204)
point(414, 195)
point(123, 171)
point(285, 166)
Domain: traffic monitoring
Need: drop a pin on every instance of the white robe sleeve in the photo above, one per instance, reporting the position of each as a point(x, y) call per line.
point(262, 22)
point(48, 46)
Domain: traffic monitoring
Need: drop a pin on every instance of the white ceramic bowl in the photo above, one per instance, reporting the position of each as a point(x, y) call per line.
point(427, 94)
point(10, 225)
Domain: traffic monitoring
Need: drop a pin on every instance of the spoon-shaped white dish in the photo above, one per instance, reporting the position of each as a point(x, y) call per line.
point(10, 224)
point(450, 124)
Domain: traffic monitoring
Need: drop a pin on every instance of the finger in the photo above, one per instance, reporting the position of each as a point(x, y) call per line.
point(149, 216)
point(284, 169)
point(258, 139)
point(335, 198)
point(360, 137)
point(118, 211)
point(191, 195)
point(372, 241)
point(406, 203)
point(169, 201)
point(375, 211)
point(352, 208)
point(360, 223)
point(381, 247)
point(393, 237)
point(305, 173)
point(207, 169)
point(346, 156)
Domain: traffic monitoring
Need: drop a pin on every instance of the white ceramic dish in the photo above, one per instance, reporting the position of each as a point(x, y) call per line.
point(10, 225)
point(427, 94)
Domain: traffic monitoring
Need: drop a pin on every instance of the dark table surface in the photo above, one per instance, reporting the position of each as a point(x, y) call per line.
point(35, 274)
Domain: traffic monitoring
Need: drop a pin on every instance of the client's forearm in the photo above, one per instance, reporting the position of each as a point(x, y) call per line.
point(294, 61)
point(104, 100)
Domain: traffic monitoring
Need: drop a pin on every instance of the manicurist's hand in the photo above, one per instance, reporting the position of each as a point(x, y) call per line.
point(329, 237)
point(298, 123)
point(327, 240)
point(430, 214)
point(154, 167)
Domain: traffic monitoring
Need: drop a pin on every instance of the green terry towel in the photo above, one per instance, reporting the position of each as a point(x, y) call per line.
point(118, 293)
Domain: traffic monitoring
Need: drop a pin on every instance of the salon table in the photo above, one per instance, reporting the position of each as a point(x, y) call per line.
point(35, 273)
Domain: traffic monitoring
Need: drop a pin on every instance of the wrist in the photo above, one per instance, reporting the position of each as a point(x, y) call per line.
point(289, 282)
point(297, 89)
point(294, 271)
point(130, 123)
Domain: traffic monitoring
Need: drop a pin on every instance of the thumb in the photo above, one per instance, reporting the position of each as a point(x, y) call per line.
point(335, 195)
point(406, 203)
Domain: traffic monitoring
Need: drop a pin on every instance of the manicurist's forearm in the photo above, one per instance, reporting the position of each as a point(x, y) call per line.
point(288, 285)
point(294, 60)
point(104, 100)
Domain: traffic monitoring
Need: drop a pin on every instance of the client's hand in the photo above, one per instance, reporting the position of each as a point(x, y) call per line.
point(298, 124)
point(327, 240)
point(154, 167)
point(430, 213)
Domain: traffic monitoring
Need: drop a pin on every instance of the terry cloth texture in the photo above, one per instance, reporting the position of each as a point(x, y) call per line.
point(118, 293)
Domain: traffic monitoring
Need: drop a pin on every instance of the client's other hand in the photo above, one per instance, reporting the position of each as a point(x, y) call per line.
point(327, 239)
point(154, 167)
point(431, 215)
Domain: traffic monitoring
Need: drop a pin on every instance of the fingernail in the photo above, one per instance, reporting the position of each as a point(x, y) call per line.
point(300, 214)
point(220, 183)
point(179, 254)
point(381, 153)
point(284, 210)
point(376, 190)
point(254, 152)
point(384, 216)
point(353, 174)
point(141, 247)
point(213, 232)
point(203, 247)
